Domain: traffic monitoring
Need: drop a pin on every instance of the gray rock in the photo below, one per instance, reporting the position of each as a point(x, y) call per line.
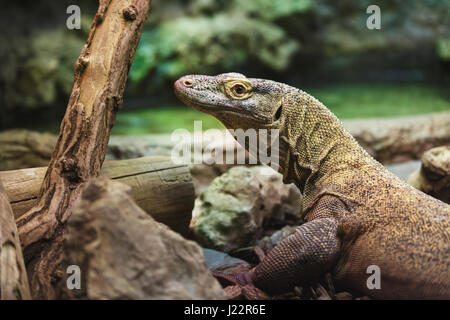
point(278, 198)
point(203, 175)
point(278, 236)
point(230, 212)
point(433, 177)
point(401, 139)
point(220, 260)
point(125, 254)
point(404, 170)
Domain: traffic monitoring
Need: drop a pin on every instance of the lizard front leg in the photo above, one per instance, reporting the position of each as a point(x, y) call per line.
point(301, 258)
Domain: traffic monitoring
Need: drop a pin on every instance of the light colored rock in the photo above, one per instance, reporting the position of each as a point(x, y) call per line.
point(278, 236)
point(228, 213)
point(124, 253)
point(231, 211)
point(216, 260)
point(278, 198)
point(403, 170)
point(433, 177)
point(203, 175)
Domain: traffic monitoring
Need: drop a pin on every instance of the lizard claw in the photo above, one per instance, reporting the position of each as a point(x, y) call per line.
point(240, 286)
point(259, 253)
point(249, 292)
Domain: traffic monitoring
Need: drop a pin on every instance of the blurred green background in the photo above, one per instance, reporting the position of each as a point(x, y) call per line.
point(322, 47)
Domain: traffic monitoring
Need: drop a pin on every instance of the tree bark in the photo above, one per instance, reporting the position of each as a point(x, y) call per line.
point(161, 188)
point(13, 275)
point(100, 76)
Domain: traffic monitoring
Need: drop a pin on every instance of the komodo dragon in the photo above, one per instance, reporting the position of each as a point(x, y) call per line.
point(357, 213)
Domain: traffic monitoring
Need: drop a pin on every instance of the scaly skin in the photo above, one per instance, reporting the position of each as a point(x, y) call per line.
point(358, 214)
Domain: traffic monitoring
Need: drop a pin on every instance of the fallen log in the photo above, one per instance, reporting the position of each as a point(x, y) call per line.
point(394, 140)
point(13, 275)
point(20, 148)
point(161, 188)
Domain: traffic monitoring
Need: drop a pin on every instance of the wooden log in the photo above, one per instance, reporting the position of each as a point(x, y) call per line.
point(161, 188)
point(20, 148)
point(13, 275)
point(394, 140)
point(100, 75)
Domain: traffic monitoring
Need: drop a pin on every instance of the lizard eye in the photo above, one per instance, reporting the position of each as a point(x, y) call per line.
point(238, 89)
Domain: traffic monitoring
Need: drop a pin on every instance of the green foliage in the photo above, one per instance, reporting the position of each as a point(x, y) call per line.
point(39, 67)
point(49, 68)
point(164, 119)
point(367, 100)
point(443, 48)
point(228, 38)
point(272, 10)
point(320, 38)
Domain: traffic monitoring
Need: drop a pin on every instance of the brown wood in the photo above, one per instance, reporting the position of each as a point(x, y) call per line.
point(13, 275)
point(161, 188)
point(99, 80)
point(20, 148)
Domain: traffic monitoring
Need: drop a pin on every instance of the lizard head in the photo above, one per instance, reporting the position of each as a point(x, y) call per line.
point(237, 101)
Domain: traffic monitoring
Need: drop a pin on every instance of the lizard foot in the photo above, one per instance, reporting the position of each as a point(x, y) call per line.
point(240, 286)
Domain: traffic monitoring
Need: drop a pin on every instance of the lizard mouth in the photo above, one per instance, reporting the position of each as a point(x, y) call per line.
point(224, 110)
point(184, 96)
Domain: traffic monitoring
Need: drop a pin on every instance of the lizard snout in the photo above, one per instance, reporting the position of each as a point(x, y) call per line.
point(184, 82)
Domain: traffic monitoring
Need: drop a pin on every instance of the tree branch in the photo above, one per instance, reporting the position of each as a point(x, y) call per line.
point(100, 76)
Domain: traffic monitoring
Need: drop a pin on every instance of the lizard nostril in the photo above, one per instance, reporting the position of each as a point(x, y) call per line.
point(187, 83)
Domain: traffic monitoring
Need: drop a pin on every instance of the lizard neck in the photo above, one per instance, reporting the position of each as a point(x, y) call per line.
point(315, 145)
